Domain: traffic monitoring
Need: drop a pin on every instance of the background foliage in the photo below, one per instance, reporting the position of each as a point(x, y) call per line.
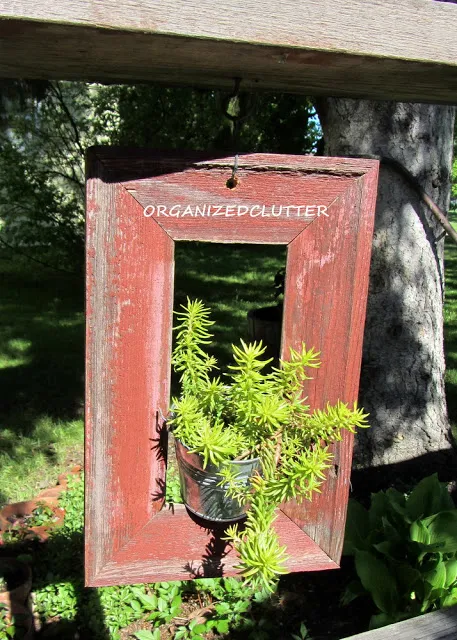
point(44, 133)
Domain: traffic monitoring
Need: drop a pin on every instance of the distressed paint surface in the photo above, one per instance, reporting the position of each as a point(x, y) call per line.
point(172, 546)
point(129, 302)
point(328, 274)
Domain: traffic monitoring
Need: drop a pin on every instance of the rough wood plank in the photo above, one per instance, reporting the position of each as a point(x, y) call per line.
point(128, 338)
point(130, 291)
point(380, 50)
point(244, 214)
point(325, 304)
point(439, 625)
point(172, 546)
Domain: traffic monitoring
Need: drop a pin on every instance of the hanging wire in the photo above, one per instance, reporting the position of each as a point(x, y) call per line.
point(236, 107)
point(233, 180)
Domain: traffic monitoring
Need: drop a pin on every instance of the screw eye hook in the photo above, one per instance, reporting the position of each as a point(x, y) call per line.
point(233, 180)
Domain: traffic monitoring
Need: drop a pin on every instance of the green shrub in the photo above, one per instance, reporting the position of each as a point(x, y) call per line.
point(405, 550)
point(254, 413)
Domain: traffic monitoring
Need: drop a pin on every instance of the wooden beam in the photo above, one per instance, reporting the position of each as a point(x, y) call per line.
point(383, 49)
point(439, 625)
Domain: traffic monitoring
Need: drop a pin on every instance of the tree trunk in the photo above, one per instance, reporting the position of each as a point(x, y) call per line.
point(402, 380)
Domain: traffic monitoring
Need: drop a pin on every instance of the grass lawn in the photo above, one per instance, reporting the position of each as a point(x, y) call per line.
point(41, 375)
point(42, 349)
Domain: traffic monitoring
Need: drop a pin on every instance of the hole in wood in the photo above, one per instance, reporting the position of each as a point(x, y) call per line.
point(232, 182)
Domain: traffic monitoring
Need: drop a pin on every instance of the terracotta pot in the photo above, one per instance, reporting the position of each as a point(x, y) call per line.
point(63, 478)
point(16, 514)
point(23, 619)
point(20, 581)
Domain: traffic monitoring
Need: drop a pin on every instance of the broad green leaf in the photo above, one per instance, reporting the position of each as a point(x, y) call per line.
point(433, 597)
point(222, 626)
point(199, 628)
point(176, 602)
point(149, 601)
point(428, 498)
point(442, 529)
point(357, 528)
point(419, 532)
point(451, 599)
point(377, 579)
point(146, 635)
point(381, 620)
point(407, 576)
point(437, 577)
point(390, 531)
point(353, 590)
point(451, 571)
point(397, 500)
point(222, 608)
point(136, 606)
point(379, 507)
point(391, 550)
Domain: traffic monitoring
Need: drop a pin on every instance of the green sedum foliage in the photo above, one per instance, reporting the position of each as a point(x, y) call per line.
point(405, 550)
point(254, 412)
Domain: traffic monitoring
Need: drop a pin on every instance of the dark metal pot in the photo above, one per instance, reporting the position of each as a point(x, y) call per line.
point(200, 490)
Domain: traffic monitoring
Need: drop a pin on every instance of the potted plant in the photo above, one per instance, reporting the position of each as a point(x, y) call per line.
point(248, 442)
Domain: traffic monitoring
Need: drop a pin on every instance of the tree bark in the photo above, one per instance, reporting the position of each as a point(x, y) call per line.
point(402, 379)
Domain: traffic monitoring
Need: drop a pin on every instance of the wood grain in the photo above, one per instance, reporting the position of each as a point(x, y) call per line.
point(128, 338)
point(380, 50)
point(129, 300)
point(173, 546)
point(325, 304)
point(438, 625)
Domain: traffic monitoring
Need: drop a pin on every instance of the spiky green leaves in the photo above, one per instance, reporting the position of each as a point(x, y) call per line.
point(201, 435)
point(256, 414)
point(188, 358)
point(261, 556)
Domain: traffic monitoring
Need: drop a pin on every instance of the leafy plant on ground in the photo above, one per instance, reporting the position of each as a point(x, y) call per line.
point(173, 486)
point(7, 628)
point(254, 414)
point(405, 550)
point(12, 626)
point(303, 633)
point(41, 515)
point(162, 603)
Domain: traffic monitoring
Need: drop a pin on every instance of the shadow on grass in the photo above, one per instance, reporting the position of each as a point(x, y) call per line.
point(41, 346)
point(42, 333)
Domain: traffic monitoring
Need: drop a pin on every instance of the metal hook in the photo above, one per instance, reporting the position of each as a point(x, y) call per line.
point(233, 180)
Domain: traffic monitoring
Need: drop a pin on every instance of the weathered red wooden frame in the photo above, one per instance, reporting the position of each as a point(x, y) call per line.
point(130, 265)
